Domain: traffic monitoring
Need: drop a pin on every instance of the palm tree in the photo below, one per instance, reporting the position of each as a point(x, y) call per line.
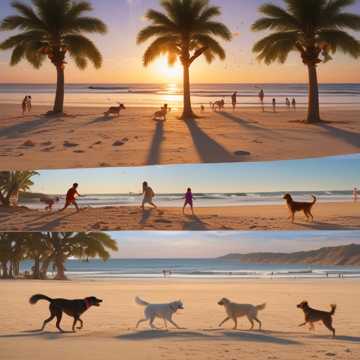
point(52, 29)
point(79, 245)
point(315, 29)
point(12, 182)
point(185, 31)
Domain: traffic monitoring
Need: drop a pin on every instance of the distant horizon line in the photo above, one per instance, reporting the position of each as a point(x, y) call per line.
point(177, 83)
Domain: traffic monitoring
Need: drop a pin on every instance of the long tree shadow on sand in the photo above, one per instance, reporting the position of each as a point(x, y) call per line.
point(154, 151)
point(208, 149)
point(350, 137)
point(17, 130)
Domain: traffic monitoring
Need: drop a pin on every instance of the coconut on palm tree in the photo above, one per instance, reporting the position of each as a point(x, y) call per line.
point(313, 28)
point(185, 31)
point(53, 29)
point(12, 183)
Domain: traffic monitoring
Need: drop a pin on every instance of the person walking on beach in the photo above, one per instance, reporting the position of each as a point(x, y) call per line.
point(71, 197)
point(288, 104)
point(274, 104)
point(49, 202)
point(355, 194)
point(234, 100)
point(261, 97)
point(149, 194)
point(188, 201)
point(293, 104)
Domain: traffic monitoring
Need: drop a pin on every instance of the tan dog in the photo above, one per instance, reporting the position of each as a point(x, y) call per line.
point(115, 110)
point(234, 311)
point(313, 315)
point(295, 206)
point(162, 113)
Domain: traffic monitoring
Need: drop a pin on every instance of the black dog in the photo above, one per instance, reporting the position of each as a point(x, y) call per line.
point(73, 308)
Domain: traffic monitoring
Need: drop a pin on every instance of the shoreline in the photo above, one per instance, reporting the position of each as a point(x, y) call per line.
point(327, 216)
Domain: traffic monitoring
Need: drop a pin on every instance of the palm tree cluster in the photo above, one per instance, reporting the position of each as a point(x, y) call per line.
point(51, 29)
point(12, 183)
point(47, 249)
point(184, 30)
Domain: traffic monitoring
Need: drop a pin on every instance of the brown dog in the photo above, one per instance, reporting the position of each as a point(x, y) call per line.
point(313, 315)
point(115, 110)
point(295, 206)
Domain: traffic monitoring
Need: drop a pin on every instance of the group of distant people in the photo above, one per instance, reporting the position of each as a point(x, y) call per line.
point(147, 192)
point(26, 104)
point(220, 104)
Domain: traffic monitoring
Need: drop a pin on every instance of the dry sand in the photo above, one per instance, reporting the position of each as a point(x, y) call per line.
point(328, 216)
point(109, 331)
point(88, 139)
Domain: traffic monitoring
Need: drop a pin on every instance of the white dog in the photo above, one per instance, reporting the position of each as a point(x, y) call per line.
point(234, 311)
point(162, 311)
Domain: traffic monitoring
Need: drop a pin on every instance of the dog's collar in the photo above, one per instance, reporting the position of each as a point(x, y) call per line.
point(87, 303)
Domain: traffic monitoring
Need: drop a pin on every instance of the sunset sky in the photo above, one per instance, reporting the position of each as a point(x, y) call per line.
point(123, 58)
point(296, 175)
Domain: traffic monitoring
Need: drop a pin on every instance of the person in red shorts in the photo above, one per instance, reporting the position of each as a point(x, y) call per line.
point(71, 197)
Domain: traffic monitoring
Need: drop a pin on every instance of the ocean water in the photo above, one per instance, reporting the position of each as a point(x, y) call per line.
point(200, 200)
point(155, 95)
point(193, 269)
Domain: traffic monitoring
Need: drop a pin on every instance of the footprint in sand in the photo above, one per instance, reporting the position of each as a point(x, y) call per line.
point(69, 144)
point(79, 151)
point(163, 221)
point(242, 153)
point(46, 143)
point(29, 143)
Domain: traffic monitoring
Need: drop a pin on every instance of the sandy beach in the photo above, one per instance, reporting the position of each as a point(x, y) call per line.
point(328, 216)
point(110, 329)
point(85, 138)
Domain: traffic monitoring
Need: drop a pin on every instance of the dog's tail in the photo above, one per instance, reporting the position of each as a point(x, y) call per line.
point(333, 309)
point(35, 298)
point(141, 302)
point(314, 199)
point(260, 307)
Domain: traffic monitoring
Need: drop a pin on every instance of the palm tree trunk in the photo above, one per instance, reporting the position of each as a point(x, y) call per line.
point(36, 273)
point(313, 103)
point(60, 88)
point(60, 268)
point(44, 268)
point(187, 111)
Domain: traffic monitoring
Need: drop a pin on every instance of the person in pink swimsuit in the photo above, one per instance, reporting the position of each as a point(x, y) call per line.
point(188, 201)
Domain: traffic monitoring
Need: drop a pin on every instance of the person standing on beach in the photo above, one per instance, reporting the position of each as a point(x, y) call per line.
point(274, 104)
point(148, 196)
point(24, 104)
point(261, 97)
point(355, 194)
point(188, 201)
point(234, 100)
point(28, 103)
point(294, 104)
point(71, 197)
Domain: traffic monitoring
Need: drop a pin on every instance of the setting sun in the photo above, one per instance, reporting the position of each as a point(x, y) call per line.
point(166, 71)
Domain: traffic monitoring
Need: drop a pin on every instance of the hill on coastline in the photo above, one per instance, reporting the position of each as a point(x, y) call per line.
point(338, 255)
